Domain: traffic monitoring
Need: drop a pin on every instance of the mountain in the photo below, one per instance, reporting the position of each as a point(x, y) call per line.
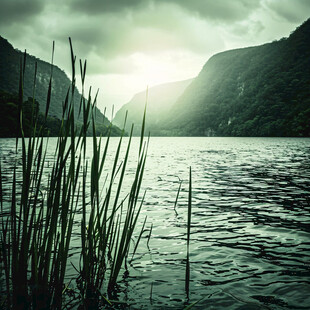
point(9, 83)
point(254, 91)
point(159, 102)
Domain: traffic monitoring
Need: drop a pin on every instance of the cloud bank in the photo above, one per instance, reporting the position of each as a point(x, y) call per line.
point(144, 41)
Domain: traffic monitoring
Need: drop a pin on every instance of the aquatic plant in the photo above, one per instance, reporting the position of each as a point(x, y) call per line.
point(37, 215)
point(189, 215)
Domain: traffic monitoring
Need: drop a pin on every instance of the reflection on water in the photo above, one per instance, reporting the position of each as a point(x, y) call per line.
point(250, 245)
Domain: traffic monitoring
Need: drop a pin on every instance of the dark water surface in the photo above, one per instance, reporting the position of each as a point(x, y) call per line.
point(250, 235)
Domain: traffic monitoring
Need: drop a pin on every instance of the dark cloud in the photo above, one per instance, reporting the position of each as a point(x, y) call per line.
point(149, 31)
point(13, 11)
point(221, 10)
point(114, 29)
point(144, 39)
point(105, 6)
point(292, 11)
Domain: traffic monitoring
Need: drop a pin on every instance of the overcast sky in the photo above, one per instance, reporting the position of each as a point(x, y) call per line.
point(130, 44)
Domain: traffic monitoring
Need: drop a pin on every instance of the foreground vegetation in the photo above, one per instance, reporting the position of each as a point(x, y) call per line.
point(39, 206)
point(38, 214)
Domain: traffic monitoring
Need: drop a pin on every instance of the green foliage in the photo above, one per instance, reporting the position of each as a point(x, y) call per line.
point(9, 112)
point(255, 91)
point(50, 126)
point(51, 90)
point(9, 125)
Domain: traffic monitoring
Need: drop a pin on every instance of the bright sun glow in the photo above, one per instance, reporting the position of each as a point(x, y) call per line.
point(153, 70)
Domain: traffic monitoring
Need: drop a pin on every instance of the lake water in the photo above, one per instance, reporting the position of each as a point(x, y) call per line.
point(250, 234)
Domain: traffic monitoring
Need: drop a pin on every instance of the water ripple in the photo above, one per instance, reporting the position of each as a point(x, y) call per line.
point(250, 234)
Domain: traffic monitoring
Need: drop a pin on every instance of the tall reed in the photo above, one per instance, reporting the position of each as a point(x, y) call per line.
point(35, 236)
point(189, 215)
point(107, 231)
point(37, 224)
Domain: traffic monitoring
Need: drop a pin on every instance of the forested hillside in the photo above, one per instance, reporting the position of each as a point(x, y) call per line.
point(9, 86)
point(255, 91)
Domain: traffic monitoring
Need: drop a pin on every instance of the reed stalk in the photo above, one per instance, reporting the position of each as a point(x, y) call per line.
point(37, 224)
point(189, 215)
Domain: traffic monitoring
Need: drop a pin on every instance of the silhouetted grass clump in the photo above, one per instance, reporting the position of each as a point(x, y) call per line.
point(36, 223)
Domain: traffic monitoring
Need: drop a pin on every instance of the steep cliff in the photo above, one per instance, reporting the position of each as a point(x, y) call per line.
point(10, 60)
point(255, 91)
